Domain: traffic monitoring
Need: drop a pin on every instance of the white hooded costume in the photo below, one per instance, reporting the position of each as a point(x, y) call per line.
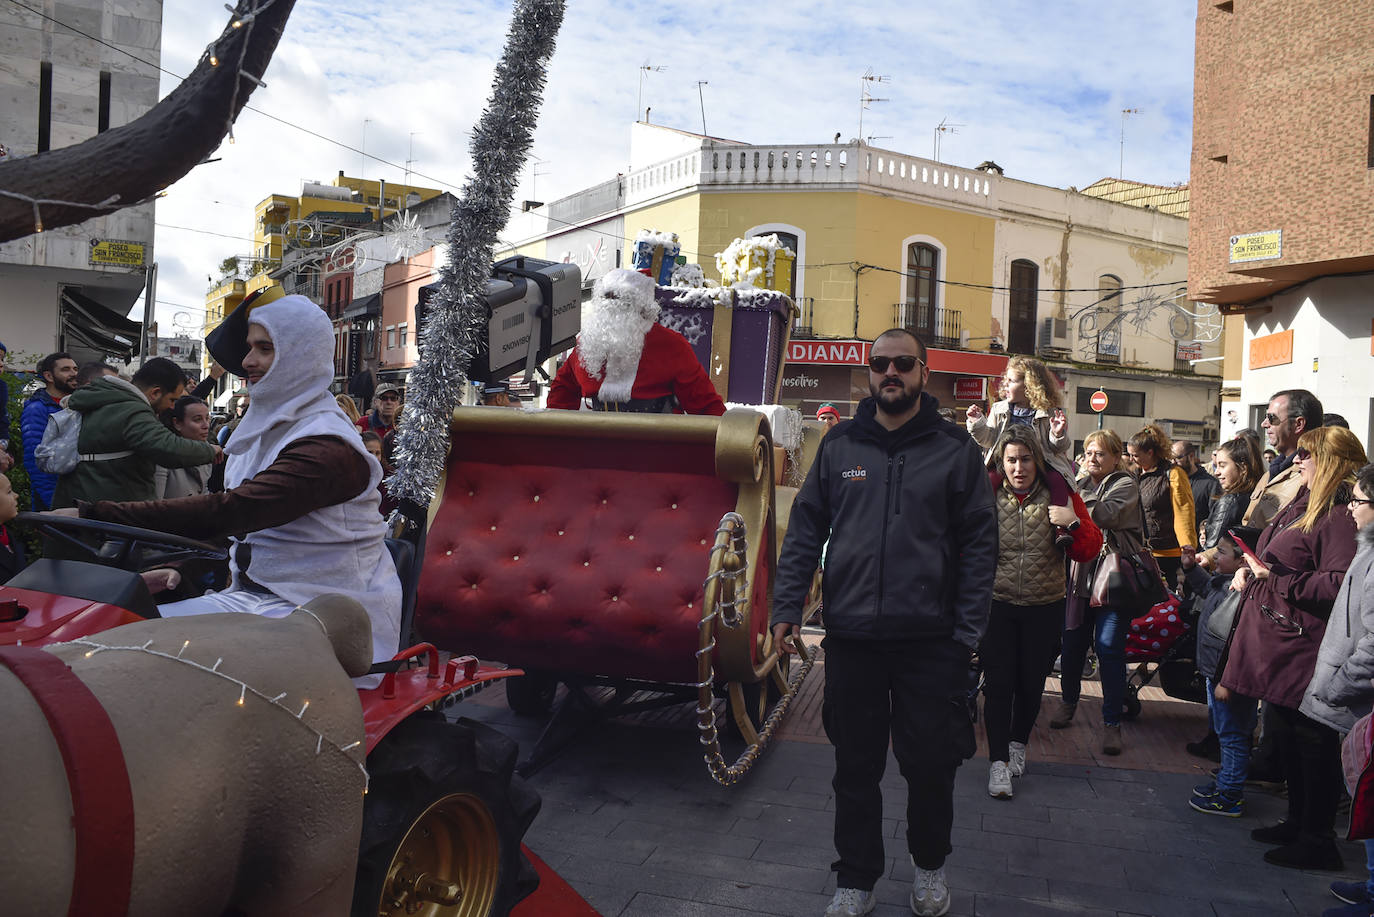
point(336, 549)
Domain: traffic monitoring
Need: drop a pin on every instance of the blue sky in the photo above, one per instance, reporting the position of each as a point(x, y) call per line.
point(1037, 87)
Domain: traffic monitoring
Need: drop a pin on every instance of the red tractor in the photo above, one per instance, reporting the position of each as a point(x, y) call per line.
point(444, 813)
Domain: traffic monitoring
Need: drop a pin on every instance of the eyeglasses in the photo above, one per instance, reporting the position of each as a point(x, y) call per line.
point(388, 397)
point(1301, 455)
point(1273, 419)
point(905, 363)
point(1356, 501)
point(1282, 620)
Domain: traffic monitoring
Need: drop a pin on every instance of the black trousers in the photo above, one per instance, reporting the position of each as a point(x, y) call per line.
point(1311, 756)
point(913, 692)
point(1018, 653)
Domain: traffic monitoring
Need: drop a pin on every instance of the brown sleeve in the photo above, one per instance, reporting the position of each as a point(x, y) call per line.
point(309, 474)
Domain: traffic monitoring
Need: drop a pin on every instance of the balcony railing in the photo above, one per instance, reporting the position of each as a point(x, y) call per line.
point(934, 326)
point(802, 325)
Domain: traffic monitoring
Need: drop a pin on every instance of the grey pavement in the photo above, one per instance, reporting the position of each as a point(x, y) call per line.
point(633, 821)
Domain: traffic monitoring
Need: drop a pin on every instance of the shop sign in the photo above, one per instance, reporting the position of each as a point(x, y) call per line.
point(118, 254)
point(840, 353)
point(1272, 350)
point(1257, 246)
point(969, 388)
point(1188, 352)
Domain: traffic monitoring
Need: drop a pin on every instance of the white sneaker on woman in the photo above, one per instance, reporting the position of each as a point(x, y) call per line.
point(851, 902)
point(1017, 754)
point(999, 780)
point(929, 893)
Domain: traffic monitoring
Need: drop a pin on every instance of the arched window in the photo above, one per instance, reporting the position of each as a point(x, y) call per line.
point(1109, 309)
point(922, 270)
point(1025, 290)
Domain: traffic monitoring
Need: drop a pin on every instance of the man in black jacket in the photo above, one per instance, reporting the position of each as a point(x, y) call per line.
point(904, 500)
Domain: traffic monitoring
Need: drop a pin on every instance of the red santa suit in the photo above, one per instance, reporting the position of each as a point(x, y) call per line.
point(624, 360)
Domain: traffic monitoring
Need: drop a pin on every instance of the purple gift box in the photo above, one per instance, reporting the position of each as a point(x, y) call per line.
point(760, 325)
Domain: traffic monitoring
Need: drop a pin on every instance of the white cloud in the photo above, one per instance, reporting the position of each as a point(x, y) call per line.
point(1037, 87)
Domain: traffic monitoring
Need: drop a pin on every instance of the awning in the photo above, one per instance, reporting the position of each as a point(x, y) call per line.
point(98, 327)
point(364, 306)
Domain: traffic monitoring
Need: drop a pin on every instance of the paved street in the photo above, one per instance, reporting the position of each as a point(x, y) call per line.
point(633, 821)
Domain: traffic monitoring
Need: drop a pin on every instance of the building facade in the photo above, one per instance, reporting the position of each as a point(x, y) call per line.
point(977, 264)
point(1281, 235)
point(72, 288)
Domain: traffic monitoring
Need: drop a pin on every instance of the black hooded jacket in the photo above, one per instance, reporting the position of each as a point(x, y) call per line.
point(912, 530)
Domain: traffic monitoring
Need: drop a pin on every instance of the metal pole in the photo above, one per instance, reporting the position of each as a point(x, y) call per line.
point(149, 302)
point(702, 100)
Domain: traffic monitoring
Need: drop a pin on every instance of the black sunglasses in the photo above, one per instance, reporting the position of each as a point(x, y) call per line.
point(1284, 622)
point(1302, 455)
point(905, 363)
point(1274, 419)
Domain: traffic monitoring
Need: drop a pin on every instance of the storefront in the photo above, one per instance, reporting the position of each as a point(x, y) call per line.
point(836, 372)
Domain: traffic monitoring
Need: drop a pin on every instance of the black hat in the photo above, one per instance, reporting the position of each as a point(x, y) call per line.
point(227, 342)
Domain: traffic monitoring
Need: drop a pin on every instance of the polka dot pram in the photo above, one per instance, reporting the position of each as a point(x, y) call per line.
point(1155, 646)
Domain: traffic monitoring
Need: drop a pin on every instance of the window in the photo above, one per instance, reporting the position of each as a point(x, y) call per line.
point(1025, 283)
point(922, 268)
point(1109, 319)
point(794, 237)
point(103, 112)
point(390, 336)
point(44, 106)
point(405, 334)
point(1120, 403)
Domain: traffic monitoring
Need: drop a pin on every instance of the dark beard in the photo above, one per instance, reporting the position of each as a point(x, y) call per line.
point(898, 404)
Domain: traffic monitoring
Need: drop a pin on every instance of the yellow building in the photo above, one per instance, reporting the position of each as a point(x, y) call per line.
point(976, 264)
point(320, 216)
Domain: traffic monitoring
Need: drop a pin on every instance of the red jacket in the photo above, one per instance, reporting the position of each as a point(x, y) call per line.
point(668, 366)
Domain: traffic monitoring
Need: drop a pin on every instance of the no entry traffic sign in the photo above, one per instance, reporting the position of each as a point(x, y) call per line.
point(1098, 402)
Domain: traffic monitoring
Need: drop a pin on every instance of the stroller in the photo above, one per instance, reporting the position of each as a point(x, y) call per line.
point(1160, 644)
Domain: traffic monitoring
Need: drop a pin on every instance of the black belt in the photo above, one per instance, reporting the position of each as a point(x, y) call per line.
point(664, 405)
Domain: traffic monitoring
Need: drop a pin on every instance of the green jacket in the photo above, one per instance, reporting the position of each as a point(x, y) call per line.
point(115, 417)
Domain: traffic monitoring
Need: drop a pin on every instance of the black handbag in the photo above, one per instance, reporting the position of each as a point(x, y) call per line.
point(1130, 582)
point(1223, 617)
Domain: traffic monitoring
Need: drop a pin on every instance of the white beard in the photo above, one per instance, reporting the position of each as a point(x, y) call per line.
point(611, 342)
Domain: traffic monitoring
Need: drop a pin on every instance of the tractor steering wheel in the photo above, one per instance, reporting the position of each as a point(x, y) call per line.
point(130, 541)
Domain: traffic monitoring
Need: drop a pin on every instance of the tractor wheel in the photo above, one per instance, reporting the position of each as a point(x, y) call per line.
point(442, 823)
point(531, 694)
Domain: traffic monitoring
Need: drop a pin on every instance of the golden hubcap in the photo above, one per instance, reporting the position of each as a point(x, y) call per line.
point(448, 864)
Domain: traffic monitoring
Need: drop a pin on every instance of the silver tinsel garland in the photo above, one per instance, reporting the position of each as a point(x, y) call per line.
point(455, 330)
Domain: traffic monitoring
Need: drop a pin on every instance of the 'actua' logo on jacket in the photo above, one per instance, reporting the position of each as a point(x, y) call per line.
point(855, 473)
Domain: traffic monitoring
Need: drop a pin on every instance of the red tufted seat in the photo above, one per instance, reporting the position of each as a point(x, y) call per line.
point(578, 543)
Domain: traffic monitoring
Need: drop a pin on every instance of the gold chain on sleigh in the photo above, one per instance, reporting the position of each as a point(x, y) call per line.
point(730, 563)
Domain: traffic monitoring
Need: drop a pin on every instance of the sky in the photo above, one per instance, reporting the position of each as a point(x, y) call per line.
point(1037, 87)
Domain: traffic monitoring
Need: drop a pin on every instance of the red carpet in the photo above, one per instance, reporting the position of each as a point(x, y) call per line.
point(554, 897)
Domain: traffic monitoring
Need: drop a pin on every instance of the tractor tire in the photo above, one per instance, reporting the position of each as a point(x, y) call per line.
point(531, 694)
point(444, 807)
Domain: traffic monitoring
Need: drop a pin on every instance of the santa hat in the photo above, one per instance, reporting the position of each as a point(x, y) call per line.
point(827, 409)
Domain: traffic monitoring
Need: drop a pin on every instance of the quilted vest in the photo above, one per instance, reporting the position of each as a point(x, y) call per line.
point(1158, 502)
point(1030, 569)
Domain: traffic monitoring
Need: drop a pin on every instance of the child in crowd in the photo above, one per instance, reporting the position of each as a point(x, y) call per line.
point(11, 551)
point(1233, 717)
point(1030, 396)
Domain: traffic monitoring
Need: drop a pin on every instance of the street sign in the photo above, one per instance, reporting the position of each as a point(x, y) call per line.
point(118, 254)
point(1098, 402)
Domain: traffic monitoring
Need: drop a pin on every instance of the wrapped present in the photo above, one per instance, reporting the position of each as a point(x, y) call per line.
point(760, 261)
point(655, 254)
point(739, 335)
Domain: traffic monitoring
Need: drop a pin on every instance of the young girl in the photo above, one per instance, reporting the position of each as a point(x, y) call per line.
point(1030, 396)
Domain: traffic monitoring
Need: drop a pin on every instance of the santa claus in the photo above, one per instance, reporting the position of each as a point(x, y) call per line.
point(625, 361)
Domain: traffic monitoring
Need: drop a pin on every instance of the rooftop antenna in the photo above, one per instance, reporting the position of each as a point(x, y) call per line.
point(1121, 160)
point(944, 127)
point(645, 69)
point(871, 137)
point(535, 172)
point(864, 97)
point(702, 99)
point(362, 152)
point(411, 158)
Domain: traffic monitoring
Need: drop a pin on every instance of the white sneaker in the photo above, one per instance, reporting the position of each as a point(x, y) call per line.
point(999, 780)
point(929, 893)
point(1017, 764)
point(851, 902)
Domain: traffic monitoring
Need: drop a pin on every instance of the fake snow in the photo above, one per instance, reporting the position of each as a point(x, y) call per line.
point(734, 264)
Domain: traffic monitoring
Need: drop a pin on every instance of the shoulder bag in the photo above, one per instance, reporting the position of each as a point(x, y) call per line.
point(1130, 582)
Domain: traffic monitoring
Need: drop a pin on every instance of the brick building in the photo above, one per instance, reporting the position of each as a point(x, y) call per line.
point(1282, 186)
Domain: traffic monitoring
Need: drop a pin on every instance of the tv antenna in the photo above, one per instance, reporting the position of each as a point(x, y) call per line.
point(944, 127)
point(865, 97)
point(645, 69)
point(702, 99)
point(872, 137)
point(1121, 160)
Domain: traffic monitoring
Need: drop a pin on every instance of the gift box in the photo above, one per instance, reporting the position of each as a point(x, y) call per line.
point(760, 261)
point(740, 336)
point(655, 254)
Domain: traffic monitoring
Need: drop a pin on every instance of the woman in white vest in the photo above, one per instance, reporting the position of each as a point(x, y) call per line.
point(298, 481)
